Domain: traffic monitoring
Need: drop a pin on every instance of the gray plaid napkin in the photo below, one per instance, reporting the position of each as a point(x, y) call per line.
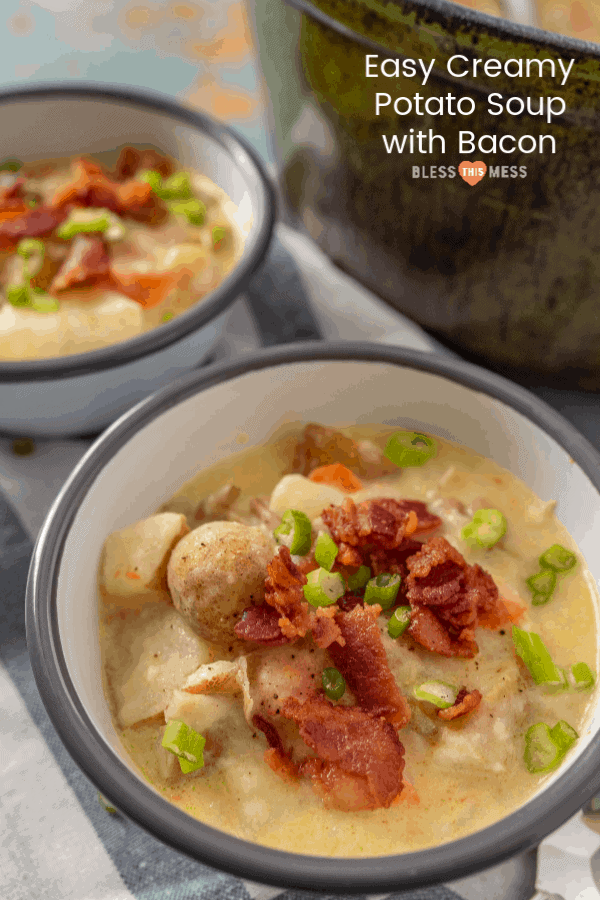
point(57, 843)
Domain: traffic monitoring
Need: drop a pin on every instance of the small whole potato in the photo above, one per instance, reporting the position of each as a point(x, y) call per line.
point(216, 571)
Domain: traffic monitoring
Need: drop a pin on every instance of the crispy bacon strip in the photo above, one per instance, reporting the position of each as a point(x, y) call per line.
point(283, 592)
point(275, 757)
point(360, 761)
point(324, 628)
point(447, 597)
point(466, 701)
point(87, 261)
point(363, 663)
point(261, 625)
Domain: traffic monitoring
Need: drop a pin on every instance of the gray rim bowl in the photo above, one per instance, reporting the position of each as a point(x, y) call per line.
point(242, 156)
point(515, 833)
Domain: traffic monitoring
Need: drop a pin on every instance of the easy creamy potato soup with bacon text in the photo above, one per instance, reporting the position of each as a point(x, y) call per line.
point(92, 255)
point(349, 643)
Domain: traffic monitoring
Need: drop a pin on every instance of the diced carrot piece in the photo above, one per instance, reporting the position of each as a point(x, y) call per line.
point(149, 288)
point(516, 608)
point(12, 209)
point(338, 476)
point(133, 193)
point(134, 576)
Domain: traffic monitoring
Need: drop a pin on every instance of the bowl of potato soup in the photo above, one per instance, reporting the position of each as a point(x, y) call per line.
point(342, 632)
point(129, 225)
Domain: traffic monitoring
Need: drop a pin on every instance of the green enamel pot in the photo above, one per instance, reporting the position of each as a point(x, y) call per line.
point(506, 270)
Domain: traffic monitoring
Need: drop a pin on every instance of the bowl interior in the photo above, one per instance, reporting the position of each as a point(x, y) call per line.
point(54, 126)
point(206, 426)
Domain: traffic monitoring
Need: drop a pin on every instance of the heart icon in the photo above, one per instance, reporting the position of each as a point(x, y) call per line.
point(472, 172)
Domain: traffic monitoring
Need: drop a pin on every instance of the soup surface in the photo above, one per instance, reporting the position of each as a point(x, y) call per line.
point(205, 622)
point(91, 255)
point(574, 18)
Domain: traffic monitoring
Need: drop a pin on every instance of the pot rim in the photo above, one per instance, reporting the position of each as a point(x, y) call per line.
point(448, 12)
point(517, 832)
point(243, 157)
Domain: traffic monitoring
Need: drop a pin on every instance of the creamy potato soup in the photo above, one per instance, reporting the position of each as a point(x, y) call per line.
point(349, 643)
point(574, 18)
point(91, 255)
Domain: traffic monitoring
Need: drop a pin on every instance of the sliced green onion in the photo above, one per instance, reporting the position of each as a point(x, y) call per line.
point(176, 187)
point(105, 804)
point(563, 735)
point(186, 744)
point(534, 653)
point(10, 165)
point(29, 247)
point(558, 558)
point(542, 586)
point(486, 529)
point(333, 683)
point(439, 693)
point(18, 295)
point(382, 589)
point(581, 677)
point(151, 177)
point(295, 532)
point(193, 210)
point(542, 753)
point(44, 303)
point(410, 448)
point(218, 234)
point(326, 551)
point(359, 579)
point(399, 621)
point(323, 588)
point(90, 221)
point(167, 316)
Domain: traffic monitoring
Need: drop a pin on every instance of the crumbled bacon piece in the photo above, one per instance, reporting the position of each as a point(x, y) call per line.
point(382, 523)
point(320, 446)
point(324, 628)
point(275, 757)
point(361, 759)
point(283, 591)
point(261, 625)
point(87, 261)
point(127, 164)
point(36, 222)
point(364, 664)
point(447, 597)
point(466, 701)
point(349, 601)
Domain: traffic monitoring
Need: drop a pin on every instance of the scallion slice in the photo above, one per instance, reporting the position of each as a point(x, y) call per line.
point(323, 588)
point(105, 804)
point(563, 735)
point(382, 589)
point(218, 235)
point(44, 303)
point(399, 621)
point(486, 528)
point(439, 693)
point(359, 579)
point(326, 550)
point(151, 177)
point(534, 653)
point(581, 677)
point(295, 532)
point(194, 211)
point(542, 753)
point(176, 187)
point(186, 744)
point(28, 247)
point(18, 294)
point(333, 683)
point(410, 448)
point(542, 586)
point(558, 558)
point(10, 165)
point(92, 220)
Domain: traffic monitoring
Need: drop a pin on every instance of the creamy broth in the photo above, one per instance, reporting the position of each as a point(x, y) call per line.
point(573, 18)
point(158, 259)
point(465, 774)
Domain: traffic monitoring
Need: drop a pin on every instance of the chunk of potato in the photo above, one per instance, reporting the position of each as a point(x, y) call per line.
point(135, 559)
point(298, 492)
point(151, 654)
point(215, 572)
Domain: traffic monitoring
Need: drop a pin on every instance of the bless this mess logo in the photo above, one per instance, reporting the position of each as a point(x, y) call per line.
point(471, 172)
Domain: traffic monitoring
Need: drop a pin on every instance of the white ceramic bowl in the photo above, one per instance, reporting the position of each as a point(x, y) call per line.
point(85, 392)
point(132, 469)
